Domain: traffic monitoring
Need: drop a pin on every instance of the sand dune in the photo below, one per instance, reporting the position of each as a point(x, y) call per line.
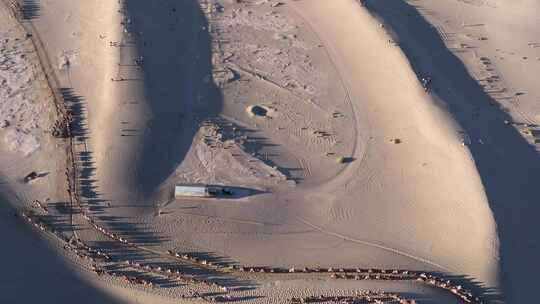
point(396, 108)
point(385, 137)
point(499, 152)
point(428, 148)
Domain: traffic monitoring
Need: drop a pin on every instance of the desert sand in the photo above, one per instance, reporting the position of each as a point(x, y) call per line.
point(383, 147)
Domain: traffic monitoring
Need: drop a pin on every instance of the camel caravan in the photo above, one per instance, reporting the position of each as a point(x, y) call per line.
point(363, 298)
point(106, 232)
point(73, 245)
point(340, 273)
point(356, 274)
point(196, 260)
point(79, 248)
point(465, 295)
point(173, 274)
point(127, 279)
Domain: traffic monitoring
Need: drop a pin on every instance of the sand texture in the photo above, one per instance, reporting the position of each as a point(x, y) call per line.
point(378, 151)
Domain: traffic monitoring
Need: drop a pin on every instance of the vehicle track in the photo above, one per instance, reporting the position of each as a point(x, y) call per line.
point(371, 244)
point(328, 49)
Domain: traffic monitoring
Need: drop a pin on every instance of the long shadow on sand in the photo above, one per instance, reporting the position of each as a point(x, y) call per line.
point(86, 174)
point(173, 40)
point(508, 165)
point(85, 164)
point(30, 9)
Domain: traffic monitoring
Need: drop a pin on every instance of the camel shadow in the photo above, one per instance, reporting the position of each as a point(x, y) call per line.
point(30, 9)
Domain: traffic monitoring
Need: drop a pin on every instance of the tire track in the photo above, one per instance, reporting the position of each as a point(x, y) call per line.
point(371, 244)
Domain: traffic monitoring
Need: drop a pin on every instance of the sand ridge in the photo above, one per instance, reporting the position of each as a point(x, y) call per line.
point(357, 163)
point(484, 70)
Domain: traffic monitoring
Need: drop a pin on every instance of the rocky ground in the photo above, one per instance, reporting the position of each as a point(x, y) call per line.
point(25, 108)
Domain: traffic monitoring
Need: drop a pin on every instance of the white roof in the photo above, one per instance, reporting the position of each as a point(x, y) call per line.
point(191, 190)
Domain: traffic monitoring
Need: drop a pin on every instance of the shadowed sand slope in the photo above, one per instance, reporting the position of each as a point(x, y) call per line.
point(177, 81)
point(33, 272)
point(162, 91)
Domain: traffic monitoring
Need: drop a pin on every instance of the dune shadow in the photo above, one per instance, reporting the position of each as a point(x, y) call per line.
point(32, 262)
point(174, 49)
point(508, 165)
